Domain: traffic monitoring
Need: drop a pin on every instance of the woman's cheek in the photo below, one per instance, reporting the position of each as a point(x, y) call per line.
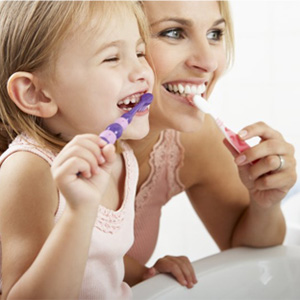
point(159, 60)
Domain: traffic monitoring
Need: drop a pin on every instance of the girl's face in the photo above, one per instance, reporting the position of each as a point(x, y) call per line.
point(97, 77)
point(188, 56)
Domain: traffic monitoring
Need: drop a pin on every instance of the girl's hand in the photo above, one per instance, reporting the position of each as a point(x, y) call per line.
point(267, 183)
point(82, 169)
point(178, 266)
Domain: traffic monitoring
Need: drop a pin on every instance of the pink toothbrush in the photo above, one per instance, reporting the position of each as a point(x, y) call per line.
point(234, 140)
point(115, 130)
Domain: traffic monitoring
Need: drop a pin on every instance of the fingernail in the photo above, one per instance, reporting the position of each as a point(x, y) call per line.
point(98, 170)
point(101, 160)
point(240, 159)
point(243, 133)
point(184, 283)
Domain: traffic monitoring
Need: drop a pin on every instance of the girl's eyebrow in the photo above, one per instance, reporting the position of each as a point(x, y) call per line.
point(117, 44)
point(184, 22)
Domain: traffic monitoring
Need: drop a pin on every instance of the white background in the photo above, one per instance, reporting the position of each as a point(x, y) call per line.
point(263, 85)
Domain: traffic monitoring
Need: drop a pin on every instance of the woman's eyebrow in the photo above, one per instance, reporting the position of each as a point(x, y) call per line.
point(178, 20)
point(184, 22)
point(218, 22)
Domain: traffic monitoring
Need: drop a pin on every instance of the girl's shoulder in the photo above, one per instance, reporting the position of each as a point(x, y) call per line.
point(26, 181)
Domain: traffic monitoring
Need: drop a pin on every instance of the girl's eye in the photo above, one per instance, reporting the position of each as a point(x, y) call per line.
point(215, 35)
point(111, 59)
point(141, 54)
point(174, 33)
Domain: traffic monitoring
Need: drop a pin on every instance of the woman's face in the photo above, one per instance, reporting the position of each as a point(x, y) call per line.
point(188, 56)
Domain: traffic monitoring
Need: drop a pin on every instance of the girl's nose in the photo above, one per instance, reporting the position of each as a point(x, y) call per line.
point(202, 57)
point(140, 71)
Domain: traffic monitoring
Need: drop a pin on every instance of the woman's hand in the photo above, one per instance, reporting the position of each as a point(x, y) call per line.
point(267, 178)
point(178, 266)
point(82, 169)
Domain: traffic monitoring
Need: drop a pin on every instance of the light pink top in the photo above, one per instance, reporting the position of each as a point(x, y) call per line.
point(112, 234)
point(163, 183)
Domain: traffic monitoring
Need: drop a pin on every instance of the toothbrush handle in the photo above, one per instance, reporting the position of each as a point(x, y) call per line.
point(115, 130)
point(238, 144)
point(234, 140)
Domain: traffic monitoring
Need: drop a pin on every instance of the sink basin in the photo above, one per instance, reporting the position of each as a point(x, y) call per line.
point(240, 273)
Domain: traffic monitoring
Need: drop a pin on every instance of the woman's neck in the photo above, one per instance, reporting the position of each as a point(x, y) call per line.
point(142, 148)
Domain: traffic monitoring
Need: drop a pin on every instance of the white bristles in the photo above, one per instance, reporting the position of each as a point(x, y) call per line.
point(202, 104)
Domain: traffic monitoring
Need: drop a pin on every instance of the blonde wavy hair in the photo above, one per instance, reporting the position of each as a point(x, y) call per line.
point(30, 37)
point(229, 31)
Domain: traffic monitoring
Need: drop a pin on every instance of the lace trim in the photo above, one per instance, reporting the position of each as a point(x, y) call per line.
point(176, 157)
point(167, 155)
point(28, 143)
point(110, 221)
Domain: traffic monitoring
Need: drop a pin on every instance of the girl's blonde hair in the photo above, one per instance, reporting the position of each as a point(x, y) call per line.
point(30, 36)
point(229, 33)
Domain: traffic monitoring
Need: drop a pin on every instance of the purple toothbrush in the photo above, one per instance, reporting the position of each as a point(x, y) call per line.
point(115, 130)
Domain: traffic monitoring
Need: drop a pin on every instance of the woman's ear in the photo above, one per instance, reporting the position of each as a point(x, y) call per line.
point(23, 89)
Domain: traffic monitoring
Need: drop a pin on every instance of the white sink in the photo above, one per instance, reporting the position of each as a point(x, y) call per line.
point(240, 273)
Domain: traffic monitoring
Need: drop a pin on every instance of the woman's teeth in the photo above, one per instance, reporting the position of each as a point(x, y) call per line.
point(129, 103)
point(187, 89)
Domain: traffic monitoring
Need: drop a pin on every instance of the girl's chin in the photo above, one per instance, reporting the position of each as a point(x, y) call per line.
point(136, 133)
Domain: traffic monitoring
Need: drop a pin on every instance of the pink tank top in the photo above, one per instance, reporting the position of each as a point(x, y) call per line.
point(163, 183)
point(112, 234)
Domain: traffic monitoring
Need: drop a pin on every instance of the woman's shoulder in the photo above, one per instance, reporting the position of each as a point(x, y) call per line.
point(204, 150)
point(201, 142)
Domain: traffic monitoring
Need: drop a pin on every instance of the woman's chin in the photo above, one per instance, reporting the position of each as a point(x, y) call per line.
point(189, 126)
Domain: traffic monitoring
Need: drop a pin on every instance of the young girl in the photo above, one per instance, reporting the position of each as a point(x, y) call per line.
point(68, 69)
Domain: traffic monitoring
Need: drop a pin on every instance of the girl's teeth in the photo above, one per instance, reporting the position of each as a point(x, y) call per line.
point(129, 101)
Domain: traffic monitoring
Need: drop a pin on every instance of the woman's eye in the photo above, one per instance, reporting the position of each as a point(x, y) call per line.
point(215, 35)
point(174, 33)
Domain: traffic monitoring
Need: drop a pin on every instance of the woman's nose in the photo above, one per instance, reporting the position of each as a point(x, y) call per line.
point(202, 57)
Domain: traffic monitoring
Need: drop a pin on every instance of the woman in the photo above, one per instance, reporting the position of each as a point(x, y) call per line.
point(237, 200)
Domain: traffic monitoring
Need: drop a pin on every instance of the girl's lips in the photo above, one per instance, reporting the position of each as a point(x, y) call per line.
point(142, 113)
